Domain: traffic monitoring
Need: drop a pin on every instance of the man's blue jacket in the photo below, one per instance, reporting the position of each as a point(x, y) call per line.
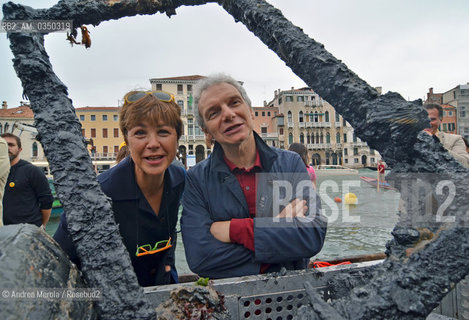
point(212, 193)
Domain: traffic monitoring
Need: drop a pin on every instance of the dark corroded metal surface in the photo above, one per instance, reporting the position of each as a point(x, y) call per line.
point(403, 288)
point(31, 259)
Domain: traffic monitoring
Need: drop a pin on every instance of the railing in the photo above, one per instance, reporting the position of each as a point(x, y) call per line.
point(302, 124)
point(103, 156)
point(269, 135)
point(359, 144)
point(290, 124)
point(337, 124)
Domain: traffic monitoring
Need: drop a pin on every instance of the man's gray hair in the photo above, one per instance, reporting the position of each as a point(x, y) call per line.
point(205, 83)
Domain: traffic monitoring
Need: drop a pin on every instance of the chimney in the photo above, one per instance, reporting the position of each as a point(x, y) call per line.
point(4, 105)
point(379, 89)
point(430, 91)
point(292, 88)
point(265, 103)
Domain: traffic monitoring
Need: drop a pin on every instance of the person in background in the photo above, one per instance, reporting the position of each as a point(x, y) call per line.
point(145, 189)
point(123, 152)
point(4, 171)
point(303, 152)
point(452, 142)
point(232, 224)
point(27, 198)
point(381, 170)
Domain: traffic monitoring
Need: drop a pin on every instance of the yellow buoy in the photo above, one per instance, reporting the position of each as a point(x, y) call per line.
point(350, 198)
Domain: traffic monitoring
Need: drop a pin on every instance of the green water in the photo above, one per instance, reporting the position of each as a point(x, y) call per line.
point(375, 210)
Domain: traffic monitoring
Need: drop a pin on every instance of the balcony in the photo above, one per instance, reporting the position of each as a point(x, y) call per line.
point(321, 124)
point(337, 124)
point(290, 124)
point(359, 144)
point(302, 124)
point(271, 135)
point(104, 156)
point(309, 124)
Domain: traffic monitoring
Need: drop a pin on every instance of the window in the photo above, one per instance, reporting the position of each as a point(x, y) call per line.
point(344, 123)
point(281, 131)
point(345, 152)
point(345, 138)
point(104, 117)
point(82, 117)
point(189, 88)
point(105, 150)
point(93, 117)
point(159, 87)
point(279, 100)
point(288, 99)
point(316, 117)
point(372, 160)
point(328, 137)
point(93, 133)
point(290, 138)
point(300, 116)
point(104, 132)
point(355, 160)
point(450, 113)
point(354, 137)
point(115, 117)
point(116, 149)
point(289, 117)
point(268, 113)
point(300, 98)
point(180, 89)
point(372, 151)
point(116, 132)
point(337, 137)
point(445, 127)
point(302, 138)
point(181, 104)
point(264, 130)
point(34, 149)
point(263, 113)
point(355, 151)
point(346, 160)
point(190, 127)
point(327, 116)
point(256, 113)
point(83, 132)
point(337, 117)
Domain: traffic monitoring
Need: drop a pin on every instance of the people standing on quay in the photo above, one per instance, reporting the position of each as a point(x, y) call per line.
point(4, 171)
point(27, 198)
point(452, 142)
point(145, 189)
point(303, 152)
point(232, 226)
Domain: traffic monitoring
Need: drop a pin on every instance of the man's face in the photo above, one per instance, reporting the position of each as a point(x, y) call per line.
point(227, 117)
point(13, 149)
point(435, 121)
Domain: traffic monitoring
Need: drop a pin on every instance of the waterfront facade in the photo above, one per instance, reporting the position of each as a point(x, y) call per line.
point(20, 122)
point(304, 117)
point(100, 128)
point(459, 98)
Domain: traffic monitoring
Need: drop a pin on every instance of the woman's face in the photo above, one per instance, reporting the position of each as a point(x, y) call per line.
point(152, 148)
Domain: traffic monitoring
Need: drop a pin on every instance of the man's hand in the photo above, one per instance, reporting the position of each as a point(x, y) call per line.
point(221, 231)
point(296, 208)
point(429, 131)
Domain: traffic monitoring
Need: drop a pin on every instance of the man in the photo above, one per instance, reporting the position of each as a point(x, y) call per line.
point(4, 170)
point(231, 225)
point(452, 142)
point(27, 198)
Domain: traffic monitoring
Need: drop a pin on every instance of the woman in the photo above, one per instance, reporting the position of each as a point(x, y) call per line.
point(303, 152)
point(144, 187)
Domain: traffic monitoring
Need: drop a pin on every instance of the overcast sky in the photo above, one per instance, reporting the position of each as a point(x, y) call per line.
point(406, 46)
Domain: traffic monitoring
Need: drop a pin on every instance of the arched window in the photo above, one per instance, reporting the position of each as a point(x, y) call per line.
point(290, 117)
point(302, 138)
point(308, 138)
point(321, 138)
point(6, 127)
point(290, 138)
point(1, 128)
point(316, 117)
point(317, 137)
point(300, 116)
point(337, 119)
point(354, 137)
point(327, 116)
point(34, 149)
point(337, 137)
point(328, 137)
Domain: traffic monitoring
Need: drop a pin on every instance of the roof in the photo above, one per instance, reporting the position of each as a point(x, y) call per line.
point(193, 77)
point(98, 109)
point(18, 112)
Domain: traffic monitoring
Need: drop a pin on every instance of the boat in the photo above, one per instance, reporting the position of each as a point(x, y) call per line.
point(57, 207)
point(374, 183)
point(334, 170)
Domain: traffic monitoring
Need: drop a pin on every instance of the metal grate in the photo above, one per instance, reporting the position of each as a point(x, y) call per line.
point(272, 306)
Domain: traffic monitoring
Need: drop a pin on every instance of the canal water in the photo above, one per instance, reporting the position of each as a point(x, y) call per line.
point(363, 228)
